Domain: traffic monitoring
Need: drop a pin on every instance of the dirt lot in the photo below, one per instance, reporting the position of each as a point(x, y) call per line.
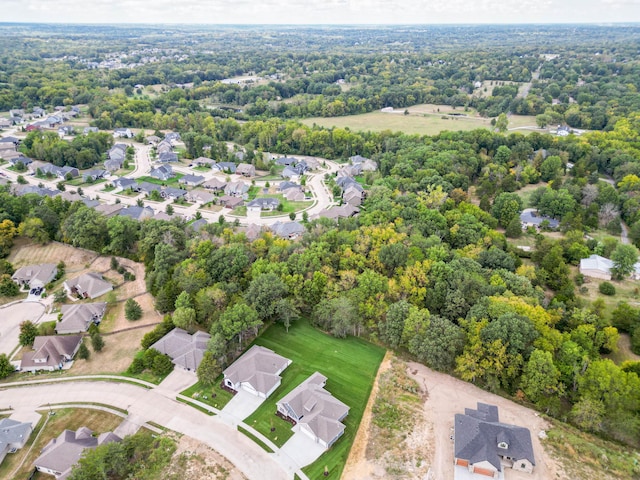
point(194, 461)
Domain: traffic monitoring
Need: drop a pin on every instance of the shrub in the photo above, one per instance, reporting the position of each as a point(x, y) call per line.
point(579, 279)
point(137, 366)
point(132, 310)
point(96, 341)
point(162, 365)
point(83, 352)
point(607, 288)
point(114, 263)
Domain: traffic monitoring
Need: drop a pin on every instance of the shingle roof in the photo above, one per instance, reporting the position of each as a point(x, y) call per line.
point(531, 216)
point(51, 350)
point(13, 432)
point(42, 273)
point(90, 283)
point(596, 262)
point(287, 229)
point(258, 367)
point(184, 349)
point(78, 317)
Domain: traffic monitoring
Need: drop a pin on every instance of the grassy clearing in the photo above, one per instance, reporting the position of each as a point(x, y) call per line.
point(624, 352)
point(173, 181)
point(349, 364)
point(525, 193)
point(586, 456)
point(68, 418)
point(626, 291)
point(214, 396)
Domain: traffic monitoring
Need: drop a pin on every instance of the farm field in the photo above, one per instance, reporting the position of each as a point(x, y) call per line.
point(350, 366)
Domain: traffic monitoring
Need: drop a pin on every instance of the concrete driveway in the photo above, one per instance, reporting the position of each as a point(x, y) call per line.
point(10, 319)
point(301, 448)
point(178, 380)
point(243, 404)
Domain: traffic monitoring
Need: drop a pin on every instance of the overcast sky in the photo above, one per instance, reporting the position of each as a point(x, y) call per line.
point(320, 11)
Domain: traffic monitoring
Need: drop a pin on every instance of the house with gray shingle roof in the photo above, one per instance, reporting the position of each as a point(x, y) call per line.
point(78, 318)
point(123, 183)
point(257, 371)
point(32, 276)
point(200, 196)
point(88, 285)
point(484, 446)
point(225, 167)
point(137, 213)
point(13, 436)
point(531, 218)
point(288, 230)
point(315, 410)
point(185, 350)
point(163, 172)
point(170, 192)
point(263, 204)
point(246, 170)
point(60, 455)
point(50, 352)
point(191, 180)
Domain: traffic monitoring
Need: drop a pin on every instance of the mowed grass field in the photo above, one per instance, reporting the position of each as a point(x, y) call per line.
point(421, 120)
point(350, 366)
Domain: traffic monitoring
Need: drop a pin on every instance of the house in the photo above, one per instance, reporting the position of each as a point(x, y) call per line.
point(59, 456)
point(336, 213)
point(152, 140)
point(317, 413)
point(294, 172)
point(286, 161)
point(257, 371)
point(88, 130)
point(137, 213)
point(50, 352)
point(122, 133)
point(246, 170)
point(15, 141)
point(203, 162)
point(531, 218)
point(288, 230)
point(13, 436)
point(191, 180)
point(173, 137)
point(164, 146)
point(117, 152)
point(263, 204)
point(53, 170)
point(352, 197)
point(167, 157)
point(224, 167)
point(113, 165)
point(230, 202)
point(484, 446)
point(198, 224)
point(294, 195)
point(173, 193)
point(563, 131)
point(109, 210)
point(282, 186)
point(236, 189)
point(23, 160)
point(200, 196)
point(35, 275)
point(123, 183)
point(67, 172)
point(185, 350)
point(239, 155)
point(366, 164)
point(163, 172)
point(596, 267)
point(5, 122)
point(16, 112)
point(79, 317)
point(88, 285)
point(67, 130)
point(21, 190)
point(93, 175)
point(38, 112)
point(215, 184)
point(147, 188)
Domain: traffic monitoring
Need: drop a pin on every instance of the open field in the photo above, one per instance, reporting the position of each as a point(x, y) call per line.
point(350, 366)
point(24, 252)
point(68, 418)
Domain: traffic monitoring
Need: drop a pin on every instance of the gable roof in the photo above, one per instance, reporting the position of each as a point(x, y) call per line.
point(596, 262)
point(287, 229)
point(531, 216)
point(90, 283)
point(136, 212)
point(191, 179)
point(245, 169)
point(36, 274)
point(13, 434)
point(257, 367)
point(50, 351)
point(184, 349)
point(264, 203)
point(78, 317)
point(478, 433)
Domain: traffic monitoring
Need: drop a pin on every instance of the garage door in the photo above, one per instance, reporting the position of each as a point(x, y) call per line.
point(483, 471)
point(462, 463)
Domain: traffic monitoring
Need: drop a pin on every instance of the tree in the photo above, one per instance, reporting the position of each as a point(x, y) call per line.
point(502, 123)
point(542, 120)
point(624, 258)
point(506, 207)
point(392, 327)
point(237, 320)
point(7, 232)
point(123, 233)
point(86, 228)
point(96, 341)
point(393, 256)
point(8, 288)
point(132, 310)
point(6, 368)
point(83, 352)
point(336, 315)
point(185, 318)
point(550, 168)
point(169, 209)
point(263, 293)
point(514, 229)
point(209, 369)
point(28, 333)
point(162, 365)
point(286, 312)
point(34, 229)
point(540, 377)
point(440, 344)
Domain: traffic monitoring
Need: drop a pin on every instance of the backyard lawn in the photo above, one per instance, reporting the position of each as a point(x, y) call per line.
point(173, 181)
point(350, 366)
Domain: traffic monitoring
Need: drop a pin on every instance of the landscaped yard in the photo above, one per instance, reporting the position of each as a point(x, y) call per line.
point(350, 366)
point(287, 206)
point(173, 181)
point(214, 396)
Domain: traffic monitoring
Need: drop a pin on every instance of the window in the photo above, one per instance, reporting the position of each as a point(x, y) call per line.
point(523, 465)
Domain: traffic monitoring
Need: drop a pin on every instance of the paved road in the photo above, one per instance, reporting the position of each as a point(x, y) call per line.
point(11, 317)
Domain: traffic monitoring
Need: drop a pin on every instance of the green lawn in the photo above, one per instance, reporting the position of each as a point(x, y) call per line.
point(171, 182)
point(350, 366)
point(215, 396)
point(287, 206)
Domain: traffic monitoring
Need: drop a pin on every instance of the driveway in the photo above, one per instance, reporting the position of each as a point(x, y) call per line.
point(301, 448)
point(242, 405)
point(178, 380)
point(10, 319)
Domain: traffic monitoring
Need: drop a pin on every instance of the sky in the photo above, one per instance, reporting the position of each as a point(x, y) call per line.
point(320, 11)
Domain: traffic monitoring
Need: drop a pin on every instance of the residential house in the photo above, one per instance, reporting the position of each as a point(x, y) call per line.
point(596, 267)
point(185, 350)
point(137, 213)
point(257, 371)
point(246, 170)
point(224, 167)
point(167, 157)
point(531, 218)
point(50, 352)
point(49, 169)
point(78, 318)
point(123, 183)
point(230, 202)
point(5, 122)
point(113, 165)
point(317, 413)
point(251, 231)
point(215, 184)
point(203, 162)
point(289, 230)
point(236, 189)
point(172, 193)
point(88, 285)
point(33, 276)
point(293, 172)
point(21, 190)
point(88, 130)
point(191, 180)
point(200, 196)
point(286, 161)
point(198, 224)
point(152, 140)
point(13, 436)
point(336, 213)
point(173, 137)
point(93, 175)
point(147, 188)
point(163, 172)
point(349, 171)
point(353, 196)
point(16, 112)
point(484, 446)
point(59, 456)
point(282, 186)
point(164, 146)
point(294, 195)
point(26, 161)
point(263, 204)
point(366, 165)
point(122, 133)
point(66, 130)
point(109, 210)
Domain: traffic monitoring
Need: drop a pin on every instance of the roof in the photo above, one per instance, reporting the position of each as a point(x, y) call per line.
point(257, 367)
point(42, 273)
point(335, 213)
point(245, 168)
point(78, 317)
point(63, 452)
point(90, 283)
point(531, 216)
point(137, 213)
point(223, 166)
point(214, 183)
point(596, 262)
point(287, 229)
point(317, 408)
point(264, 203)
point(50, 351)
point(173, 192)
point(123, 182)
point(184, 349)
point(478, 433)
point(194, 179)
point(13, 432)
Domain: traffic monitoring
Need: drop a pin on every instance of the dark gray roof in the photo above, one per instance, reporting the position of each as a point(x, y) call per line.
point(185, 350)
point(478, 433)
point(287, 229)
point(533, 217)
point(13, 433)
point(264, 203)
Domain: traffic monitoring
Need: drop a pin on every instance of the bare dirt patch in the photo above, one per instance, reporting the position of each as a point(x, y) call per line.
point(193, 460)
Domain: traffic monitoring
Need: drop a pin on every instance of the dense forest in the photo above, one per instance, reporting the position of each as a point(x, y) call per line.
point(426, 267)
